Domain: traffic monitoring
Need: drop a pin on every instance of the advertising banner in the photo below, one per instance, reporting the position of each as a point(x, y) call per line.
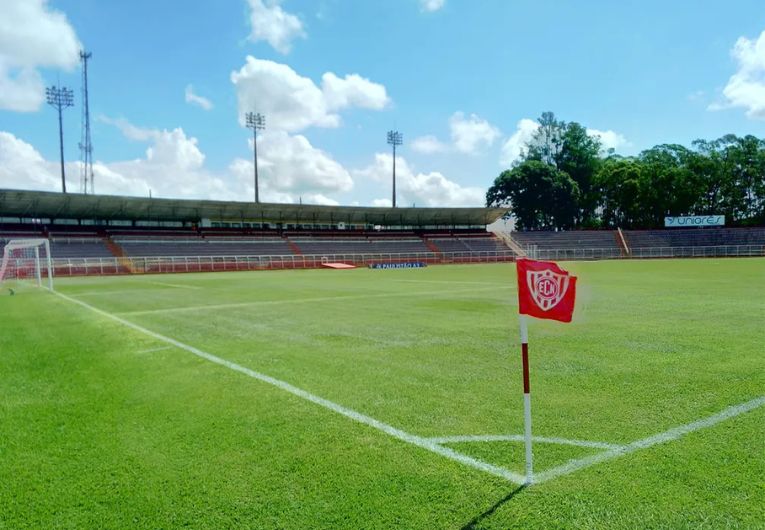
point(694, 220)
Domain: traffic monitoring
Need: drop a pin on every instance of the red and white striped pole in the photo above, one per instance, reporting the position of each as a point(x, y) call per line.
point(526, 398)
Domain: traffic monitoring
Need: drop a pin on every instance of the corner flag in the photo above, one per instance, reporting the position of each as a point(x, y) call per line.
point(544, 291)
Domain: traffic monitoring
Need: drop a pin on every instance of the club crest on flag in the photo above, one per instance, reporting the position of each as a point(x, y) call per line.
point(547, 287)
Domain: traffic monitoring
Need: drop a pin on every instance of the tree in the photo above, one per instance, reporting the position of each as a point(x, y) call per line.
point(568, 148)
point(579, 157)
point(547, 142)
point(618, 188)
point(564, 179)
point(541, 196)
point(668, 186)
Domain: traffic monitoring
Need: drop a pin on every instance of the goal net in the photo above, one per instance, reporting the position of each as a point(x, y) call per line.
point(27, 260)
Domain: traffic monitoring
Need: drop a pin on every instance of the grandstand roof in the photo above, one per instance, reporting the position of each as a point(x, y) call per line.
point(42, 204)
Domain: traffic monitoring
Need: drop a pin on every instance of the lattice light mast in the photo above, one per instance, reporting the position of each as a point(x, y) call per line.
point(394, 138)
point(256, 122)
point(60, 98)
point(86, 147)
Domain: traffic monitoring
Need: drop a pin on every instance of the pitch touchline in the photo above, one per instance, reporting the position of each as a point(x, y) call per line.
point(663, 437)
point(304, 300)
point(344, 411)
point(176, 285)
point(504, 286)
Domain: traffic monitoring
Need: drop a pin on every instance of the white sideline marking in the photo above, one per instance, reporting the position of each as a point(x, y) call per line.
point(419, 441)
point(303, 300)
point(176, 285)
point(520, 438)
point(507, 285)
point(663, 437)
point(151, 350)
point(120, 291)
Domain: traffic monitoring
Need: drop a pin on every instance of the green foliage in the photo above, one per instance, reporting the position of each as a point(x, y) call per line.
point(724, 176)
point(545, 197)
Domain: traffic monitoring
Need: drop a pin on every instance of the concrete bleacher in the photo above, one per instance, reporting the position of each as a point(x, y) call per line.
point(694, 237)
point(472, 243)
point(360, 245)
point(449, 244)
point(106, 242)
point(572, 239)
point(199, 247)
point(79, 248)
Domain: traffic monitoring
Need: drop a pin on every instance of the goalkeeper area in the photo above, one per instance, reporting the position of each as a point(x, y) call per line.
point(383, 399)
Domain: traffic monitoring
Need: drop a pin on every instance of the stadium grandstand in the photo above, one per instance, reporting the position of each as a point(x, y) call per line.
point(97, 234)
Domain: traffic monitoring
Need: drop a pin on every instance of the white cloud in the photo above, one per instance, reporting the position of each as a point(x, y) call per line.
point(515, 145)
point(290, 164)
point(199, 101)
point(609, 139)
point(32, 36)
point(292, 102)
point(21, 166)
point(353, 91)
point(424, 189)
point(431, 5)
point(746, 88)
point(471, 134)
point(272, 24)
point(386, 203)
point(428, 144)
point(290, 169)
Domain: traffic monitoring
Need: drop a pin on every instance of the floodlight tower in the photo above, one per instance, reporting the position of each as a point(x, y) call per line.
point(394, 138)
point(60, 98)
point(256, 122)
point(86, 147)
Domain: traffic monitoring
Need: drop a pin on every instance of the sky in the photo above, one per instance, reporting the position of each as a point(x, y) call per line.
point(464, 82)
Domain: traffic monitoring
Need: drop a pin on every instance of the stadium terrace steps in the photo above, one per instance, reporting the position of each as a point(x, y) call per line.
point(573, 239)
point(87, 242)
point(694, 237)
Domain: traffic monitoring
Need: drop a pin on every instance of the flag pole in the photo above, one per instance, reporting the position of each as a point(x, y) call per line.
point(526, 398)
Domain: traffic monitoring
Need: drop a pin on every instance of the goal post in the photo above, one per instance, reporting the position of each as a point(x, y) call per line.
point(27, 259)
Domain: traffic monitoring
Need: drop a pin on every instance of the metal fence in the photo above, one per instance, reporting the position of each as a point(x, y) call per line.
point(648, 252)
point(160, 264)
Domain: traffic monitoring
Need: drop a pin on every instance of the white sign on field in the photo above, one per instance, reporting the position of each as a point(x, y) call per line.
point(694, 220)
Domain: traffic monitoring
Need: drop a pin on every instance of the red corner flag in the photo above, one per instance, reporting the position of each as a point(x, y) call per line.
point(545, 290)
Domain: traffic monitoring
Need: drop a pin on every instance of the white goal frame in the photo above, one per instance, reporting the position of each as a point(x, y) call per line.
point(39, 261)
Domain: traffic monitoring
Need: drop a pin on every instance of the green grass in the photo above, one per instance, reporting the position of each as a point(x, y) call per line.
point(98, 432)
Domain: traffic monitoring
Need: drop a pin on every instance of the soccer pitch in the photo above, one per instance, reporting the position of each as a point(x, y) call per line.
point(385, 398)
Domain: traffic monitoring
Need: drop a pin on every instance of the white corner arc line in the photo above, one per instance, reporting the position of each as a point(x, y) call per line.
point(520, 438)
point(418, 441)
point(663, 437)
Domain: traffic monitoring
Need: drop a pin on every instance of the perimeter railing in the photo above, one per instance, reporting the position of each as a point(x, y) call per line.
point(160, 264)
point(718, 251)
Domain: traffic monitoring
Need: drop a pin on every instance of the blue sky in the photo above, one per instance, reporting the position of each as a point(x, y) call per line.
point(332, 76)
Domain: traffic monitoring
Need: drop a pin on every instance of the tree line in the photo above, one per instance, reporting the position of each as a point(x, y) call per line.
point(565, 179)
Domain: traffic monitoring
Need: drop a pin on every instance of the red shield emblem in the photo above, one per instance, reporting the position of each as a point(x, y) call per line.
point(545, 290)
